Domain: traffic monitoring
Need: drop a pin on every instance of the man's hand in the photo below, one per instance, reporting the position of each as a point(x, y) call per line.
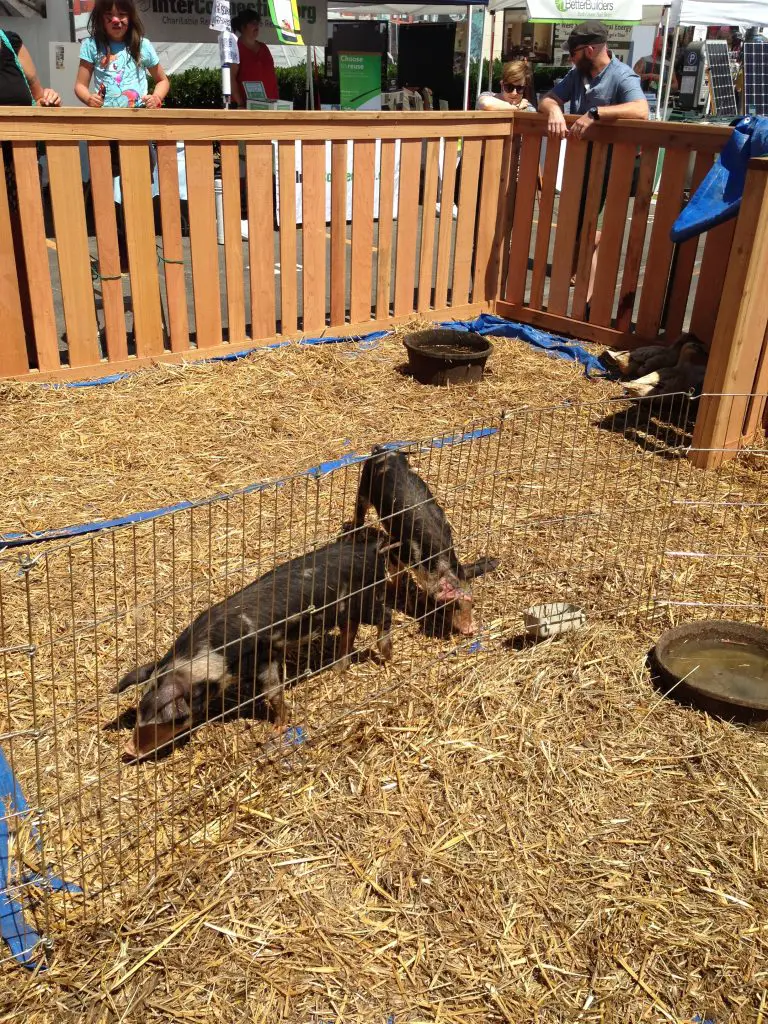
point(556, 126)
point(580, 127)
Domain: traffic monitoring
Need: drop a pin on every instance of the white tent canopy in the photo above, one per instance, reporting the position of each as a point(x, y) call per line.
point(747, 13)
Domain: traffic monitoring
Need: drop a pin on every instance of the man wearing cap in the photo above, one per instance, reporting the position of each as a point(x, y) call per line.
point(599, 88)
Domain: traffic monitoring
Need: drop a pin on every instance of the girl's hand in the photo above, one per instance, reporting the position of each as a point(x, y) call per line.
point(95, 99)
point(152, 101)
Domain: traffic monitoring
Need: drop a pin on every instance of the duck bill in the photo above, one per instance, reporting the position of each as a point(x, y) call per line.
point(616, 360)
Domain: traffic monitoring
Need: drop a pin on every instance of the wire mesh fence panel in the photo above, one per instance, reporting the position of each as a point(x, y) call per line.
point(151, 672)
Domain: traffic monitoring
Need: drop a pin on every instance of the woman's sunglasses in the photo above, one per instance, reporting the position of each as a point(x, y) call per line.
point(512, 87)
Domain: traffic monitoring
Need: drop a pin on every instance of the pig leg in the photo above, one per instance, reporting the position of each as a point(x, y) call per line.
point(384, 642)
point(346, 646)
point(274, 692)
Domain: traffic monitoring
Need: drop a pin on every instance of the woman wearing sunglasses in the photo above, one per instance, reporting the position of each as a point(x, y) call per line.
point(514, 84)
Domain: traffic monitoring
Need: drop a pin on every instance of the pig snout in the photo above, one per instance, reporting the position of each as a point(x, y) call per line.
point(449, 592)
point(462, 621)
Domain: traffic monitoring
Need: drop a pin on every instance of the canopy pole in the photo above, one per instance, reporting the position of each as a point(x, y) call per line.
point(466, 63)
point(660, 89)
point(309, 103)
point(480, 68)
point(490, 56)
point(671, 72)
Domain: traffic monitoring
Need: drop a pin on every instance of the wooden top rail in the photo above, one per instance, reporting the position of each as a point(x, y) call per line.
point(665, 134)
point(71, 124)
point(67, 124)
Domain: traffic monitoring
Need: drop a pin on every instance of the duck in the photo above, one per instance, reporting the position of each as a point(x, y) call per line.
point(686, 376)
point(648, 358)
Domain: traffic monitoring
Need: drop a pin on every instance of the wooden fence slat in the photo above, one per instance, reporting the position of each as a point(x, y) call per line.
point(384, 237)
point(261, 233)
point(465, 223)
point(338, 233)
point(364, 157)
point(286, 156)
point(758, 402)
point(492, 195)
point(445, 223)
point(544, 226)
point(614, 225)
point(313, 235)
point(567, 224)
point(714, 264)
point(38, 272)
point(233, 241)
point(172, 247)
point(203, 245)
point(407, 226)
point(105, 222)
point(13, 350)
point(586, 241)
point(429, 203)
point(136, 189)
point(633, 254)
point(510, 170)
point(668, 206)
point(74, 257)
point(680, 284)
point(740, 330)
point(522, 223)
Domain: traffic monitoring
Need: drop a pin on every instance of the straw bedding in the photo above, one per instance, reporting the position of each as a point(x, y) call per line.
point(514, 833)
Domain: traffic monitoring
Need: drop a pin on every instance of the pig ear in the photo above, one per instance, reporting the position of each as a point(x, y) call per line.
point(135, 677)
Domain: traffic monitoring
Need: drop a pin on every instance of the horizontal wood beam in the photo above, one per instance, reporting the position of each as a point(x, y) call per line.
point(580, 330)
point(105, 368)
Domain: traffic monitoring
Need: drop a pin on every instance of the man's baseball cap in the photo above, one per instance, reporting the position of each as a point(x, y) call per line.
point(588, 33)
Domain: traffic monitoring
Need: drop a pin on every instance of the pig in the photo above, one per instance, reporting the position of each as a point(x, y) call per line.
point(420, 535)
point(244, 638)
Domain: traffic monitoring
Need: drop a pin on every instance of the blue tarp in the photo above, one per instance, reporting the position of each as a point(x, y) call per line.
point(718, 197)
point(553, 344)
point(21, 939)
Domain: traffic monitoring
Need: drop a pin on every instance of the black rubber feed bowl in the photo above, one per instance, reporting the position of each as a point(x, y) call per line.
point(718, 666)
point(443, 356)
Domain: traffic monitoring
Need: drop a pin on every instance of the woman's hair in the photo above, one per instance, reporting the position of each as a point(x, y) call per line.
point(515, 72)
point(244, 18)
point(135, 32)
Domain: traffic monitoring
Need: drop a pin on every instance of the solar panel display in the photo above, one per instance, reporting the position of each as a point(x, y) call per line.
point(721, 78)
point(756, 79)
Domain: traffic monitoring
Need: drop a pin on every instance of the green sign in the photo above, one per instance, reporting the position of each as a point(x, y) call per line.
point(360, 81)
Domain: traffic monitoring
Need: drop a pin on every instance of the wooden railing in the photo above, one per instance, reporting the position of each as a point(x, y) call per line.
point(643, 283)
point(447, 215)
point(393, 257)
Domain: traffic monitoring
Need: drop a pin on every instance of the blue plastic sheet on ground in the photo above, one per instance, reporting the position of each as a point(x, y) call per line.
point(718, 197)
point(364, 343)
point(18, 540)
point(553, 344)
point(20, 937)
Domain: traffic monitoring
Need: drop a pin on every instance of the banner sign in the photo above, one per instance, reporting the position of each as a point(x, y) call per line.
point(622, 11)
point(360, 81)
point(189, 21)
point(285, 18)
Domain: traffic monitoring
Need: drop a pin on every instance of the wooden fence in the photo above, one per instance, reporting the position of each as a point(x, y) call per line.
point(447, 215)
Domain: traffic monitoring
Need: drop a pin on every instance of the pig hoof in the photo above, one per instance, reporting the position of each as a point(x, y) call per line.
point(342, 664)
point(385, 648)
